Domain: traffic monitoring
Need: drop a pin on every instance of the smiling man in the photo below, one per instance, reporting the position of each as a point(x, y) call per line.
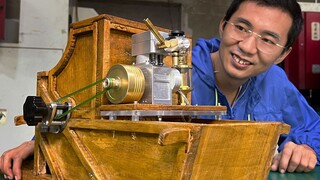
point(239, 71)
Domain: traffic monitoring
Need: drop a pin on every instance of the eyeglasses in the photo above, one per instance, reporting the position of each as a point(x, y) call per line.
point(264, 44)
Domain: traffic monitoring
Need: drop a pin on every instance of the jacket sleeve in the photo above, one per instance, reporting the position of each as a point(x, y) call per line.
point(304, 121)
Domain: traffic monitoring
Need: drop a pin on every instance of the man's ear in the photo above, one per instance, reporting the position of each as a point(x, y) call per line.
point(283, 56)
point(221, 26)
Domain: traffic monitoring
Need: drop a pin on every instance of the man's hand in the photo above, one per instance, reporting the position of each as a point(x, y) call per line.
point(294, 157)
point(11, 160)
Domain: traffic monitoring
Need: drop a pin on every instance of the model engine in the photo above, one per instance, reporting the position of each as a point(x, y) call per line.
point(147, 81)
point(150, 81)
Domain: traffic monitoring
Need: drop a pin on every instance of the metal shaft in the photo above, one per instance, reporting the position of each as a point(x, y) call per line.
point(154, 31)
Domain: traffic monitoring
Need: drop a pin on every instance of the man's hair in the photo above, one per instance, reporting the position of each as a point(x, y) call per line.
point(289, 6)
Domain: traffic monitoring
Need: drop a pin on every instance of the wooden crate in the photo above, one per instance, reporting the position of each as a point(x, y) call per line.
point(106, 149)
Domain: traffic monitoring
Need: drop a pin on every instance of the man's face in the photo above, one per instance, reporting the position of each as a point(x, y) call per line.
point(242, 59)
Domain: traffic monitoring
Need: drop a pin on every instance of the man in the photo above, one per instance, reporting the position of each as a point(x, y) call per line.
point(239, 71)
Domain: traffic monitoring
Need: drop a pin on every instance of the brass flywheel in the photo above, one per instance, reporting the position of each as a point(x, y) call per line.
point(126, 84)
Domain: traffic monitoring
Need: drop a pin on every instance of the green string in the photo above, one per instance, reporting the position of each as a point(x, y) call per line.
point(81, 104)
point(80, 90)
point(84, 102)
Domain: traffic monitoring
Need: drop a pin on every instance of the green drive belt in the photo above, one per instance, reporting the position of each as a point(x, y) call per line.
point(82, 103)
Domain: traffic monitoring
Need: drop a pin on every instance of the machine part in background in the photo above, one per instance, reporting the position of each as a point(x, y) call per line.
point(302, 65)
point(35, 111)
point(126, 84)
point(2, 18)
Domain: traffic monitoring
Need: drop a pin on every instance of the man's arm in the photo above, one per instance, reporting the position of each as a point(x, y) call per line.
point(11, 160)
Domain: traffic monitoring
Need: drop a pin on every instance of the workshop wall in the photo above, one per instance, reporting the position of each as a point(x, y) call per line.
point(199, 18)
point(35, 37)
point(194, 17)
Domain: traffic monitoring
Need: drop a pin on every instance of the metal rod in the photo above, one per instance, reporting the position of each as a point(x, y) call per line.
point(154, 31)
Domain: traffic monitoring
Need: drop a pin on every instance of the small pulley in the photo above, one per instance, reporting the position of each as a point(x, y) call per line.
point(35, 111)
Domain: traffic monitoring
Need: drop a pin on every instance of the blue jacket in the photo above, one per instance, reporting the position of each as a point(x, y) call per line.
point(269, 96)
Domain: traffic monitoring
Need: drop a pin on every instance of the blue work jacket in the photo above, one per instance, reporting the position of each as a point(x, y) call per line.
point(269, 96)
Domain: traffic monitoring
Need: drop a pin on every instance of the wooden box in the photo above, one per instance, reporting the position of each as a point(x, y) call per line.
point(105, 149)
